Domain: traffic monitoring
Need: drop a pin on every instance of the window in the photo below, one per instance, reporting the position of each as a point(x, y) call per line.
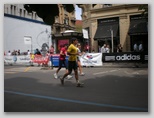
point(107, 5)
point(15, 8)
point(66, 21)
point(35, 15)
point(65, 12)
point(7, 10)
point(56, 19)
point(32, 15)
point(12, 9)
point(20, 12)
point(24, 13)
point(57, 30)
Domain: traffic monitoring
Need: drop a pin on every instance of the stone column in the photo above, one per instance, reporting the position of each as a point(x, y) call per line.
point(93, 28)
point(123, 29)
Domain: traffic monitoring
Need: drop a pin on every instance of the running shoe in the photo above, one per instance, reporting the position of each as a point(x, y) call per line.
point(62, 81)
point(55, 76)
point(79, 84)
point(69, 77)
point(82, 74)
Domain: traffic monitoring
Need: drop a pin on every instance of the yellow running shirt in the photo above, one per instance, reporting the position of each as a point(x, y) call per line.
point(72, 49)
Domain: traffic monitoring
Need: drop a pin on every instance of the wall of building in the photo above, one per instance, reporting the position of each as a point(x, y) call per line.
point(16, 28)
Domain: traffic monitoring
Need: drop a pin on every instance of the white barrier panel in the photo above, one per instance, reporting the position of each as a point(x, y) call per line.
point(24, 59)
point(91, 59)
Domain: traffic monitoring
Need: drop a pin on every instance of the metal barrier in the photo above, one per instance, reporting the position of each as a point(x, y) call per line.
point(88, 59)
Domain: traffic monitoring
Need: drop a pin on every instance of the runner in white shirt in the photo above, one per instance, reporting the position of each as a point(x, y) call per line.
point(78, 60)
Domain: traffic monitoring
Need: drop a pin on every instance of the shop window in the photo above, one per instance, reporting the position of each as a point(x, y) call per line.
point(24, 13)
point(57, 30)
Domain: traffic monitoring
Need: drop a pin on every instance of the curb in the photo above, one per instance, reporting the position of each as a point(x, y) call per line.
point(110, 65)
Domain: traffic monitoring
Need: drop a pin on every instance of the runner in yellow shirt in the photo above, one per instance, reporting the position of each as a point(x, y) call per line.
point(72, 64)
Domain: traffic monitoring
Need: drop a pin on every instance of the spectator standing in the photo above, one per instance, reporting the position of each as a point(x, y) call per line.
point(141, 52)
point(99, 49)
point(140, 47)
point(14, 52)
point(9, 53)
point(62, 61)
point(78, 59)
point(51, 49)
point(119, 48)
point(86, 47)
point(135, 47)
point(103, 49)
point(32, 56)
point(37, 52)
point(18, 52)
point(72, 63)
point(14, 57)
point(28, 52)
point(107, 49)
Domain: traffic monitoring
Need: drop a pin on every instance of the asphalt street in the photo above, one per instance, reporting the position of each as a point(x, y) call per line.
point(34, 89)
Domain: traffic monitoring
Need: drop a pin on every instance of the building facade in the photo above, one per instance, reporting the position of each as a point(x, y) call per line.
point(65, 21)
point(115, 24)
point(65, 28)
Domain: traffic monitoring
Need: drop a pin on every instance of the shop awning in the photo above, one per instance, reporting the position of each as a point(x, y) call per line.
point(104, 31)
point(138, 27)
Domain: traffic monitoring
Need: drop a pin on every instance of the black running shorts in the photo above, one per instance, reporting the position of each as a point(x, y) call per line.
point(72, 65)
point(61, 63)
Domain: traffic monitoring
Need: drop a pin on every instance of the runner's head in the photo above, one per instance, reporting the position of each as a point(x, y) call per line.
point(74, 41)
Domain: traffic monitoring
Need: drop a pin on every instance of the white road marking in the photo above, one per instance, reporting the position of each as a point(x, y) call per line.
point(131, 73)
point(10, 72)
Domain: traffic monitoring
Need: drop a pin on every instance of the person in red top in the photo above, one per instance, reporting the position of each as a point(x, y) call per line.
point(86, 47)
point(62, 61)
point(52, 49)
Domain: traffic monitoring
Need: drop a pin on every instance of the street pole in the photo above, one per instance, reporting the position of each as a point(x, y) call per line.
point(112, 39)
